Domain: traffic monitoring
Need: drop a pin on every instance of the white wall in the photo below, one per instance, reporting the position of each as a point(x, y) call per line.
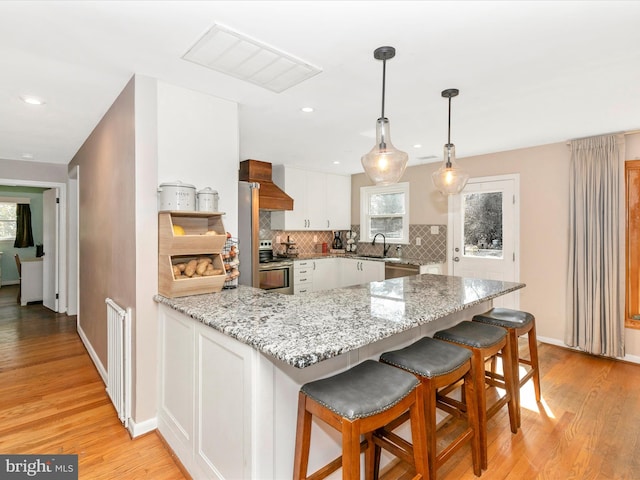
point(198, 144)
point(146, 252)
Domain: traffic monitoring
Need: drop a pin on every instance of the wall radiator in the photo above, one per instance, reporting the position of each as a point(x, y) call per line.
point(119, 361)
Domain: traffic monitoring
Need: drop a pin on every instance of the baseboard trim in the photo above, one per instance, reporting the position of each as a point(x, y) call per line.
point(558, 343)
point(10, 282)
point(146, 426)
point(92, 354)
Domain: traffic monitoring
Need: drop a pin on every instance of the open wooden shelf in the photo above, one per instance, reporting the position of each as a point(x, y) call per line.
point(172, 287)
point(195, 240)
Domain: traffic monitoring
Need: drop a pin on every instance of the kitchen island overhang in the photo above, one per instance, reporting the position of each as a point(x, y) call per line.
point(232, 363)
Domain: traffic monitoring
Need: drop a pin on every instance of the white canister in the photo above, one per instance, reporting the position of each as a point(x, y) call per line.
point(207, 200)
point(177, 196)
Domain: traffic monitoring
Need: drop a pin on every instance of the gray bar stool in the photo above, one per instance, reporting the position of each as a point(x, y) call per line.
point(484, 342)
point(358, 402)
point(438, 365)
point(517, 323)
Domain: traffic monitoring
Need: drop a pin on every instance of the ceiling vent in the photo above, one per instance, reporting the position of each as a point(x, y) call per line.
point(235, 54)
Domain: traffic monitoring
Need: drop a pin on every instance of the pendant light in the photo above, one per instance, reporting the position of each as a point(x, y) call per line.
point(449, 178)
point(384, 164)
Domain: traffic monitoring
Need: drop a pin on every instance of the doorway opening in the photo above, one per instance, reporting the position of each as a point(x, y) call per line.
point(58, 270)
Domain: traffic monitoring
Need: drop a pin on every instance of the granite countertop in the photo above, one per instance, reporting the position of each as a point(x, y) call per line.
point(302, 330)
point(401, 260)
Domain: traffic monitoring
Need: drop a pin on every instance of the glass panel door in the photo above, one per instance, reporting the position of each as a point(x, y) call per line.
point(484, 233)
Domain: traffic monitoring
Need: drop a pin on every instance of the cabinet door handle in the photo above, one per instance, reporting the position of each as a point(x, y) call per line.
point(314, 265)
point(327, 223)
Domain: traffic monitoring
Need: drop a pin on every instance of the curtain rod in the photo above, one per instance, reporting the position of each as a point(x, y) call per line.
point(630, 132)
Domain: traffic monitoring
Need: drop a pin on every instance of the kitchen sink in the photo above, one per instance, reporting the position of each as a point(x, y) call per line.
point(371, 256)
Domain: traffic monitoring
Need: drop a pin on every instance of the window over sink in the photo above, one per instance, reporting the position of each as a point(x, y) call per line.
point(385, 209)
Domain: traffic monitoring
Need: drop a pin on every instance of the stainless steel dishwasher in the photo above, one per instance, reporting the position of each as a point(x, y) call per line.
point(395, 270)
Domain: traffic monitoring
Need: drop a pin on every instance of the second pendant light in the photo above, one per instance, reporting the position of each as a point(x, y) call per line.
point(449, 178)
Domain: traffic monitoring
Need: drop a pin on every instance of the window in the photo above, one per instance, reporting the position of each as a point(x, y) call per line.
point(385, 210)
point(8, 222)
point(632, 173)
point(482, 224)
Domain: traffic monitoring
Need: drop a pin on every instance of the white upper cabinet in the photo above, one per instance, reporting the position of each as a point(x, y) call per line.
point(338, 202)
point(321, 201)
point(294, 182)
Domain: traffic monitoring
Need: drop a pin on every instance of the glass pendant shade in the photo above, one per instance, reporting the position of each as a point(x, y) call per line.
point(384, 164)
point(449, 179)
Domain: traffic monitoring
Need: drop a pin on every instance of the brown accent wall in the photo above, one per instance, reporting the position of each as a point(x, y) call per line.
point(106, 163)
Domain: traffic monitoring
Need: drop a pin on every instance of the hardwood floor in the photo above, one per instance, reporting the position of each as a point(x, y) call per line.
point(52, 400)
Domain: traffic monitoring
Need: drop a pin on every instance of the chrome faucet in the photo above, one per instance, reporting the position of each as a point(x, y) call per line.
point(385, 248)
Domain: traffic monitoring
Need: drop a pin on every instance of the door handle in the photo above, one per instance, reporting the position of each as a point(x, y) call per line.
point(456, 259)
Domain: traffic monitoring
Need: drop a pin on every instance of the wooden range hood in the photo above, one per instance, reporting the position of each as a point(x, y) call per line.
point(270, 195)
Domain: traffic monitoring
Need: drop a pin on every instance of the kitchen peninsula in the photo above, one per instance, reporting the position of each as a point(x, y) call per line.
point(232, 362)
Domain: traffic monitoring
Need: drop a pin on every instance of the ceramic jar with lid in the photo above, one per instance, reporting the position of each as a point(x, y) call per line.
point(177, 196)
point(207, 200)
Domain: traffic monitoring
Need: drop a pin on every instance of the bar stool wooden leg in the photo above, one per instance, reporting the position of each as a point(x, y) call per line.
point(303, 439)
point(513, 366)
point(533, 355)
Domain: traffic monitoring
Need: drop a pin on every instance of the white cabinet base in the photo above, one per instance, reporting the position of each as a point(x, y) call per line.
point(31, 280)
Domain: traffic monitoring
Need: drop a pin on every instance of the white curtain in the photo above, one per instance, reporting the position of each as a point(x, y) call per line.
point(595, 320)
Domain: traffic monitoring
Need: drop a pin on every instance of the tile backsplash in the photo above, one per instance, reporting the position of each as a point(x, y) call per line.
point(433, 246)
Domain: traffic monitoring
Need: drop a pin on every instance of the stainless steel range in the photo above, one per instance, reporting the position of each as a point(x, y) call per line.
point(275, 273)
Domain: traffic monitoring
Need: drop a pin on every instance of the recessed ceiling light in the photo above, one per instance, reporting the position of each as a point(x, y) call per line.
point(27, 155)
point(307, 109)
point(417, 145)
point(31, 100)
point(336, 162)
